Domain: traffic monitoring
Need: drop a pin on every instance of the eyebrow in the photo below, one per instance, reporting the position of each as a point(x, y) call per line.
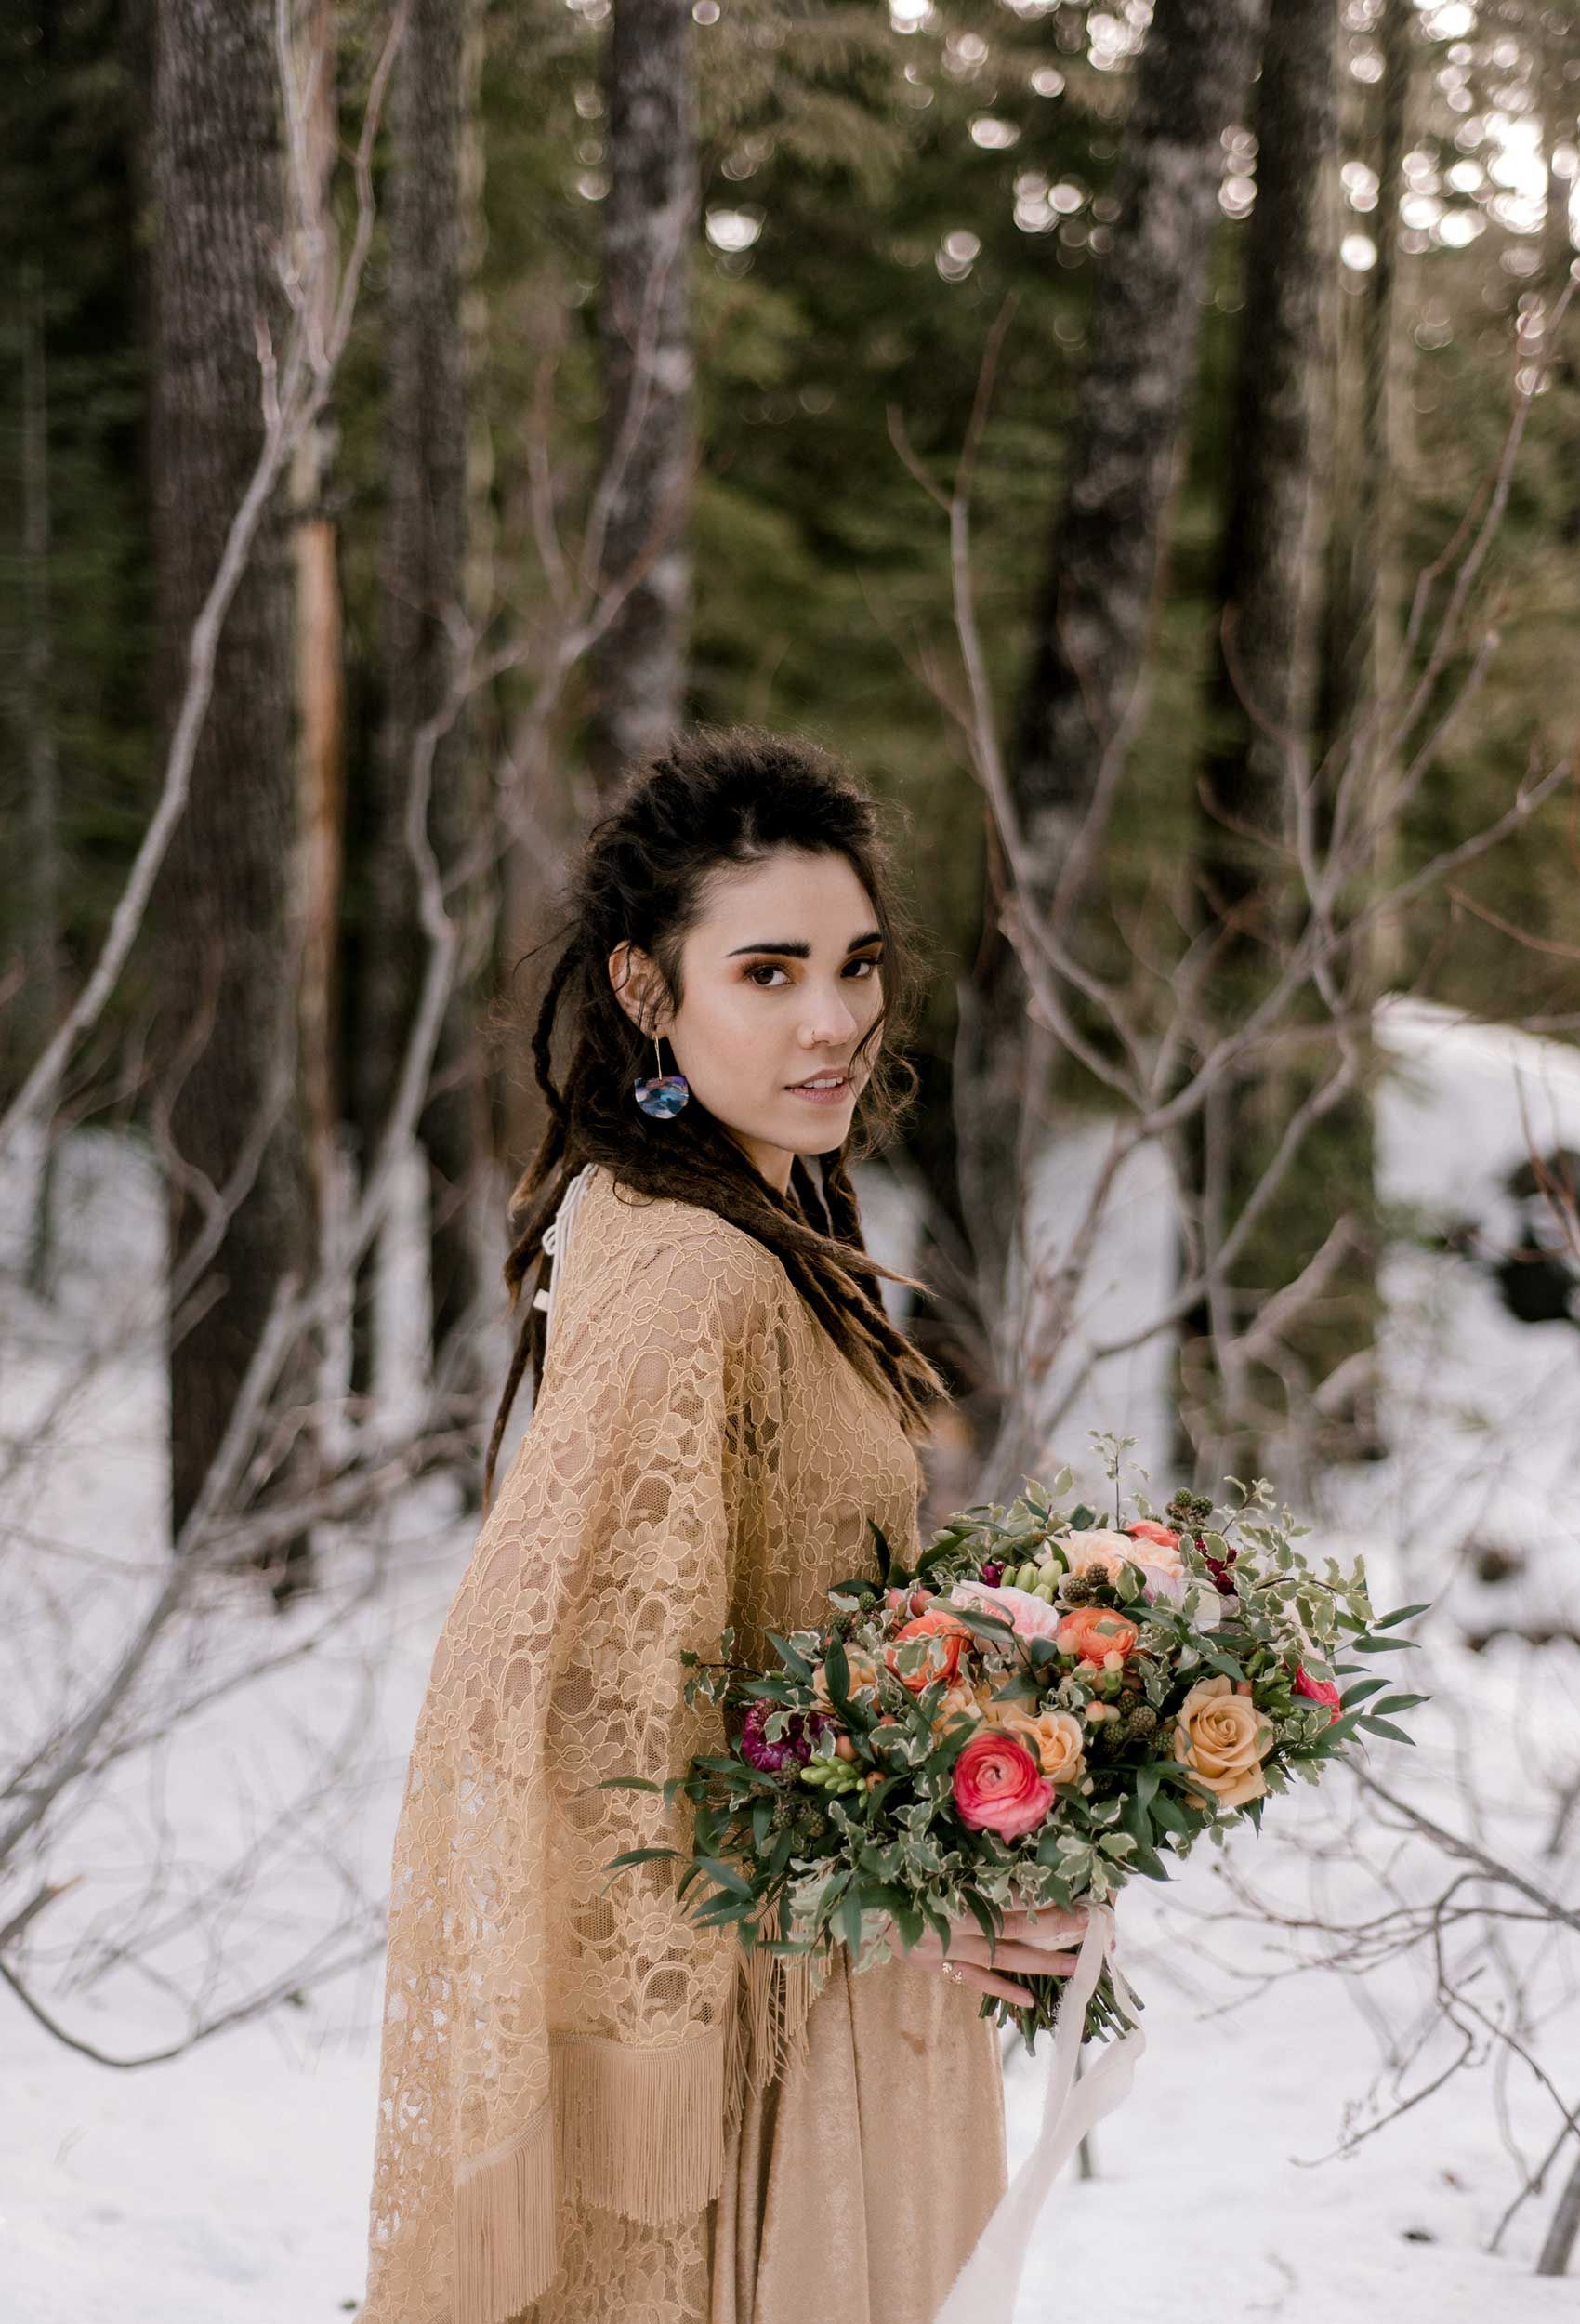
point(796, 951)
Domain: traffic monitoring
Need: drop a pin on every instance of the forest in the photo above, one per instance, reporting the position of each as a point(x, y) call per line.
point(1143, 442)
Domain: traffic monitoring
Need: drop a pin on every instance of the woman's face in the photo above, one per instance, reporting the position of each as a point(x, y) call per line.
point(781, 979)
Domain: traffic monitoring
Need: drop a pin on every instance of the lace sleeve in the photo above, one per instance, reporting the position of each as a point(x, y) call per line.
point(549, 2031)
point(660, 1423)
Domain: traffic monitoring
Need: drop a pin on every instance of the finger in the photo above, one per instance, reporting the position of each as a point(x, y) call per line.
point(1033, 1959)
point(1002, 1989)
point(1049, 1925)
point(1030, 1961)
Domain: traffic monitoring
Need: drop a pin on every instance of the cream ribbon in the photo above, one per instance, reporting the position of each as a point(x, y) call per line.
point(985, 2290)
point(557, 1242)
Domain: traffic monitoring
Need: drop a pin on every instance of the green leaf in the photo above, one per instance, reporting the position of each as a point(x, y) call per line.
point(850, 1920)
point(626, 1783)
point(725, 1909)
point(982, 1913)
point(978, 1619)
point(1223, 1663)
point(1400, 1614)
point(836, 1678)
point(1385, 1726)
point(885, 1554)
point(798, 1666)
point(725, 1876)
point(1396, 1702)
point(1361, 1688)
point(638, 1856)
point(1382, 1646)
point(937, 1921)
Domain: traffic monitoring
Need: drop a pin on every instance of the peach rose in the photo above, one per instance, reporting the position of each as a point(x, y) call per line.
point(1159, 1559)
point(863, 1681)
point(1031, 1618)
point(1058, 1738)
point(961, 1700)
point(1100, 1548)
point(1093, 1631)
point(1222, 1738)
point(947, 1638)
point(997, 1787)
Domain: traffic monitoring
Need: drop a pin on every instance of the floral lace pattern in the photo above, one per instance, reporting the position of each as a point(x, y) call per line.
point(560, 2051)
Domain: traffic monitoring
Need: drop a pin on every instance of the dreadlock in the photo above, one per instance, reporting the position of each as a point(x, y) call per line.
point(717, 797)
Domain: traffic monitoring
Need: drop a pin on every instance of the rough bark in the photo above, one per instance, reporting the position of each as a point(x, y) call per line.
point(223, 914)
point(423, 599)
point(1109, 540)
point(321, 676)
point(1259, 723)
point(40, 997)
point(650, 216)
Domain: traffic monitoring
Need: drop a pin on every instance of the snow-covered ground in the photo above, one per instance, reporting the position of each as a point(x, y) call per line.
point(229, 2186)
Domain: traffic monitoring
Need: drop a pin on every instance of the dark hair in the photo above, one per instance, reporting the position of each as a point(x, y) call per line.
point(713, 797)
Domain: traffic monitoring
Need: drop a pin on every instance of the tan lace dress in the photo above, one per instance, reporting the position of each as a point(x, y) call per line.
point(590, 2111)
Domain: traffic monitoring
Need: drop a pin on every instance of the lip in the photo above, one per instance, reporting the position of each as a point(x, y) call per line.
point(835, 1096)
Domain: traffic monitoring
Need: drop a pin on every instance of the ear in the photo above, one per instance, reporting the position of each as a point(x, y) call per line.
point(638, 987)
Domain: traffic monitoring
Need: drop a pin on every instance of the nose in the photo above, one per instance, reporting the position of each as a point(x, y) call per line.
point(829, 1021)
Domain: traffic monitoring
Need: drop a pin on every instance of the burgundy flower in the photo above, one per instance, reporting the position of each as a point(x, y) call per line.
point(1218, 1568)
point(992, 1576)
point(794, 1746)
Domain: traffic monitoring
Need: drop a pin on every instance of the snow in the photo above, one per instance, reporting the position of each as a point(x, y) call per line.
point(229, 2186)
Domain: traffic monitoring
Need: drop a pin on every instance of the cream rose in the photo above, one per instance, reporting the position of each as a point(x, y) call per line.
point(1222, 1738)
point(1056, 1737)
point(1100, 1546)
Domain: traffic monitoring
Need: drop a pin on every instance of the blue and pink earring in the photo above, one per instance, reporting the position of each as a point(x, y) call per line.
point(665, 1094)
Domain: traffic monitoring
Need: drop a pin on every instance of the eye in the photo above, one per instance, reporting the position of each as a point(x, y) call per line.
point(871, 960)
point(763, 968)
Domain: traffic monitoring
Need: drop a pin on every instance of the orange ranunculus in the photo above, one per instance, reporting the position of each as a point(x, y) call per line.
point(948, 1637)
point(1093, 1631)
point(1148, 1529)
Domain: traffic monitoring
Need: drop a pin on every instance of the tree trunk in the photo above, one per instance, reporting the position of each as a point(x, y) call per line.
point(1107, 549)
point(321, 684)
point(1556, 32)
point(650, 227)
point(1259, 725)
point(227, 974)
point(40, 997)
point(424, 601)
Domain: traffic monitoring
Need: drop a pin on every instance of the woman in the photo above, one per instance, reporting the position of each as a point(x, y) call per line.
point(593, 2111)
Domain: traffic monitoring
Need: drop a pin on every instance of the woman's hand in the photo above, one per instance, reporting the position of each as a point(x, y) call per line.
point(1025, 1943)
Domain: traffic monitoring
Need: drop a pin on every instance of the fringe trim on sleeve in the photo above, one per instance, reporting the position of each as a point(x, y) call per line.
point(641, 2130)
point(638, 2131)
point(506, 2240)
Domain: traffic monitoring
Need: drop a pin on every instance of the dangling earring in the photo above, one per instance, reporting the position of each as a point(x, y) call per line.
point(664, 1095)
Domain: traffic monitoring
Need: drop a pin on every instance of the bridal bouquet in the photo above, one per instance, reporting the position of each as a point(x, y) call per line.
point(1048, 1705)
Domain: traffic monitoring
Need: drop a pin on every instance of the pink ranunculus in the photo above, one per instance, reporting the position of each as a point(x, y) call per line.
point(1031, 1618)
point(998, 1785)
point(1320, 1690)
